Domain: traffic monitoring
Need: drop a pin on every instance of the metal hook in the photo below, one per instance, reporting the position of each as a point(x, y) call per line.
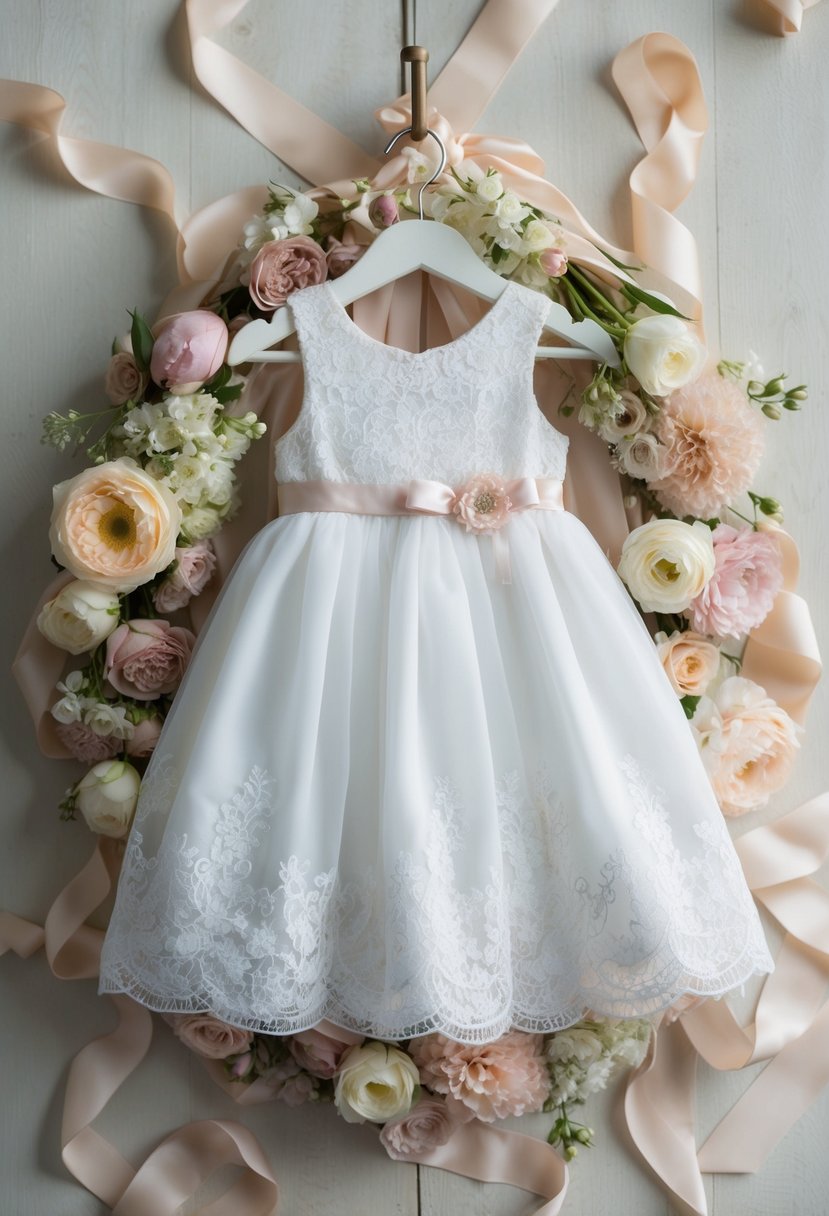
point(438, 171)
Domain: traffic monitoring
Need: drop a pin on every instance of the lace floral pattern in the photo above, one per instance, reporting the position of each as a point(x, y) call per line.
point(375, 414)
point(544, 937)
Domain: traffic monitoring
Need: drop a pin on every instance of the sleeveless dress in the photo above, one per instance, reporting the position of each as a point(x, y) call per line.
point(400, 789)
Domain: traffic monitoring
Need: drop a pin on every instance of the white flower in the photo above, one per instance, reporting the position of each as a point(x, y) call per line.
point(580, 1044)
point(299, 214)
point(538, 237)
point(628, 417)
point(510, 211)
point(641, 456)
point(375, 1082)
point(200, 522)
point(259, 231)
point(666, 563)
point(106, 719)
point(80, 616)
point(490, 187)
point(420, 167)
point(663, 354)
point(107, 797)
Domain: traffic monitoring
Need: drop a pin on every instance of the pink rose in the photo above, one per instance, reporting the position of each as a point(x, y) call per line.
point(207, 1036)
point(124, 381)
point(740, 593)
point(144, 738)
point(189, 349)
point(342, 255)
point(195, 565)
point(282, 267)
point(427, 1125)
point(383, 211)
point(318, 1053)
point(146, 659)
point(85, 744)
point(553, 262)
point(483, 504)
point(507, 1077)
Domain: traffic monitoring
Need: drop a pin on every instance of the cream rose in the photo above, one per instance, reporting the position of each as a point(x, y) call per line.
point(666, 563)
point(107, 797)
point(114, 524)
point(691, 662)
point(375, 1082)
point(629, 418)
point(80, 616)
point(663, 354)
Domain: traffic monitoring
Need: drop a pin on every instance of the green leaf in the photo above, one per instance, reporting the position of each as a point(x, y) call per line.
point(231, 393)
point(689, 704)
point(142, 341)
point(219, 380)
point(610, 258)
point(638, 295)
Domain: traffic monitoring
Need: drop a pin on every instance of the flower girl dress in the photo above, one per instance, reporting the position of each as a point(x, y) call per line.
point(425, 770)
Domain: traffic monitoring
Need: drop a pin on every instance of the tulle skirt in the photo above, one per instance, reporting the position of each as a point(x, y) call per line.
point(400, 794)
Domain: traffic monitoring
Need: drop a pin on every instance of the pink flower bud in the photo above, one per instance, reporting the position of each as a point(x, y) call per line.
point(189, 349)
point(553, 262)
point(383, 211)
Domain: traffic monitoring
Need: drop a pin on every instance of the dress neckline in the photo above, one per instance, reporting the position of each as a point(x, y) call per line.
point(414, 355)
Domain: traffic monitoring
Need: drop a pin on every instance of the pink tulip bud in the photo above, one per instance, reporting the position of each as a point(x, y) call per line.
point(189, 349)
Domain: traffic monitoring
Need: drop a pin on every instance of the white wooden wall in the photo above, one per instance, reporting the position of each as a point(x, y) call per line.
point(71, 263)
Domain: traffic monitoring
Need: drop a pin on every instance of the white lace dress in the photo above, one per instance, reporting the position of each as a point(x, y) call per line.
point(399, 793)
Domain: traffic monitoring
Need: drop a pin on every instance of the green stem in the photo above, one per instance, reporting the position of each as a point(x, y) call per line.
point(598, 295)
point(614, 330)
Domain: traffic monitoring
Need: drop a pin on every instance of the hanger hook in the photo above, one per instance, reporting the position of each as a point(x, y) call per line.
point(437, 172)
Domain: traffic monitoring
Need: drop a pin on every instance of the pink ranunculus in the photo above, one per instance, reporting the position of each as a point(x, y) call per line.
point(342, 255)
point(195, 567)
point(507, 1077)
point(553, 262)
point(483, 504)
point(84, 744)
point(714, 442)
point(189, 349)
point(144, 738)
point(740, 593)
point(147, 658)
point(383, 211)
point(124, 381)
point(207, 1036)
point(429, 1123)
point(284, 266)
point(318, 1053)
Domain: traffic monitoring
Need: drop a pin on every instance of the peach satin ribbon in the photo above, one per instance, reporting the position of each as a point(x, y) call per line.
point(658, 79)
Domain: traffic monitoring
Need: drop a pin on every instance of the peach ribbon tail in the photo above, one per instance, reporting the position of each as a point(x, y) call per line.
point(659, 81)
point(786, 15)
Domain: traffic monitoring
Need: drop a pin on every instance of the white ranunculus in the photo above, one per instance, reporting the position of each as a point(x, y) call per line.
point(490, 187)
point(80, 616)
point(666, 563)
point(199, 523)
point(375, 1082)
point(663, 354)
point(107, 797)
point(510, 211)
point(538, 237)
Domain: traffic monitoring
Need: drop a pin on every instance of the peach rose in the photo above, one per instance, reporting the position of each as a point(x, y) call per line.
point(282, 267)
point(189, 349)
point(146, 659)
point(689, 659)
point(144, 738)
point(483, 504)
point(207, 1036)
point(124, 380)
point(747, 742)
point(195, 565)
point(114, 524)
point(342, 255)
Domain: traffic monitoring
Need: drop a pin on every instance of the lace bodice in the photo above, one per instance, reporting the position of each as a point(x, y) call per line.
point(373, 413)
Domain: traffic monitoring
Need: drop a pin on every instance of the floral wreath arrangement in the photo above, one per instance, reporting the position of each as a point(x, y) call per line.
point(134, 529)
point(133, 533)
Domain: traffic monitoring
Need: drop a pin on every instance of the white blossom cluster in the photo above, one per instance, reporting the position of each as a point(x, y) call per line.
point(290, 214)
point(584, 1057)
point(102, 717)
point(191, 444)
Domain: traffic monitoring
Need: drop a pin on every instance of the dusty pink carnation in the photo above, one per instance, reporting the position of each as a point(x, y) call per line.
point(208, 1036)
point(282, 267)
point(483, 504)
point(747, 743)
point(289, 1083)
point(740, 593)
point(318, 1053)
point(147, 658)
point(342, 255)
point(714, 443)
point(507, 1077)
point(85, 744)
point(195, 566)
point(428, 1124)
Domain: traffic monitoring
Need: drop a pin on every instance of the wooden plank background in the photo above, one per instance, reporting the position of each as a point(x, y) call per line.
point(72, 263)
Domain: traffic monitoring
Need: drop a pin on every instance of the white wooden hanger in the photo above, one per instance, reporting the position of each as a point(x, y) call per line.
point(422, 245)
